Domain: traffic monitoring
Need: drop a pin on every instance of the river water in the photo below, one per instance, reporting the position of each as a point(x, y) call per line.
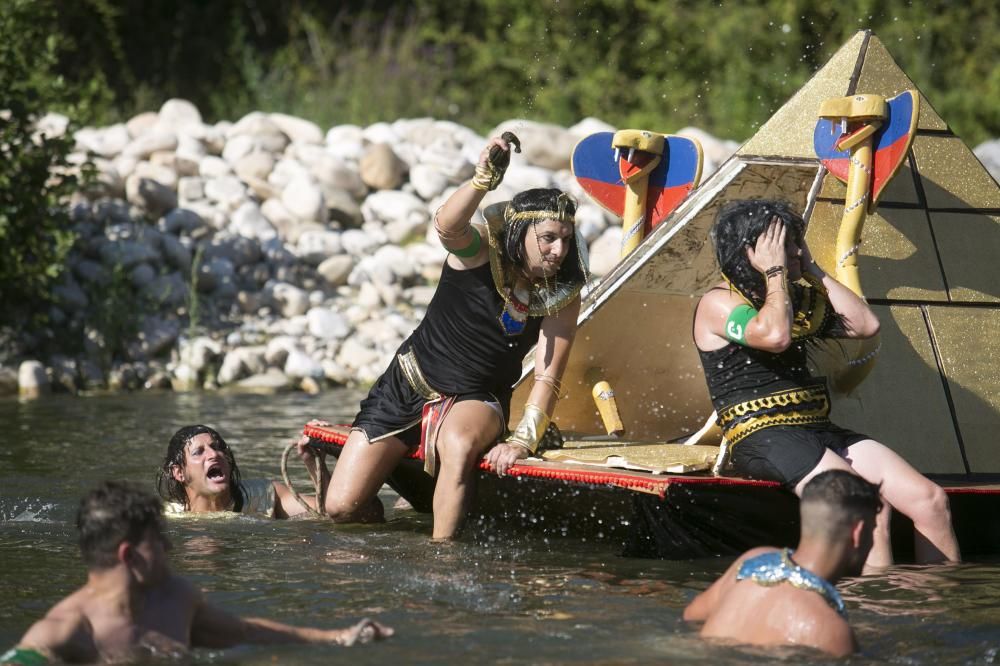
point(495, 596)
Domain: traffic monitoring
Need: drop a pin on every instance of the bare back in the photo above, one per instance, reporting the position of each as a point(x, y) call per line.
point(779, 615)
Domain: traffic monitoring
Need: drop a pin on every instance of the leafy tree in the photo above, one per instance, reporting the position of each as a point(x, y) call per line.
point(35, 176)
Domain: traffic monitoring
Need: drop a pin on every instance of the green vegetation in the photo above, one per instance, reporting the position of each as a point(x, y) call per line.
point(34, 226)
point(725, 67)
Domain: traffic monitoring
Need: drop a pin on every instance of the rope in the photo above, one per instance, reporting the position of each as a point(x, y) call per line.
point(318, 481)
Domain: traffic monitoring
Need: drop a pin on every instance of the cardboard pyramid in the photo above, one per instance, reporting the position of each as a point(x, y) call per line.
point(927, 262)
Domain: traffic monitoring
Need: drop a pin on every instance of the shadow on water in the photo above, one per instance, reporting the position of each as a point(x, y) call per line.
point(495, 596)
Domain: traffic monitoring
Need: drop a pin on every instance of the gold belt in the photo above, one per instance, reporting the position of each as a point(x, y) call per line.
point(805, 406)
point(411, 370)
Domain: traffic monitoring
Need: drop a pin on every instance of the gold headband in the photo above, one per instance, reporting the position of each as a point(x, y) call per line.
point(541, 215)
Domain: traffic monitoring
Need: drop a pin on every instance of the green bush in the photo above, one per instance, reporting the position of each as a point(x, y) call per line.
point(35, 182)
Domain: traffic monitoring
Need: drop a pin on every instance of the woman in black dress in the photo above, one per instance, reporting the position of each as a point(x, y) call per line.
point(506, 285)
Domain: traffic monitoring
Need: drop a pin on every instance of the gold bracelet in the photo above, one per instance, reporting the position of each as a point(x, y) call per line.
point(451, 234)
point(530, 430)
point(551, 381)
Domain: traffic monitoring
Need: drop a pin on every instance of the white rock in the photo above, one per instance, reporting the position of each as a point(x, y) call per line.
point(190, 188)
point(326, 324)
point(590, 125)
point(522, 177)
point(250, 222)
point(285, 171)
point(335, 270)
point(590, 221)
point(316, 245)
point(396, 260)
point(180, 115)
point(162, 174)
point(267, 135)
point(257, 164)
point(152, 141)
point(239, 147)
point(272, 381)
point(211, 166)
point(106, 142)
point(227, 191)
point(381, 133)
point(277, 213)
point(368, 296)
point(428, 181)
point(142, 123)
point(291, 300)
point(52, 125)
point(299, 365)
point(32, 380)
point(200, 352)
point(278, 349)
point(605, 251)
point(358, 242)
point(303, 197)
point(353, 354)
point(297, 129)
point(543, 144)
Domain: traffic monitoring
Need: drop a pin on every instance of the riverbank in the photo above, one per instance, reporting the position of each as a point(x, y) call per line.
point(266, 254)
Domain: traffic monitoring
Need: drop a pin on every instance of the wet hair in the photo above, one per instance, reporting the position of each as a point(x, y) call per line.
point(737, 227)
point(845, 499)
point(563, 208)
point(112, 513)
point(172, 490)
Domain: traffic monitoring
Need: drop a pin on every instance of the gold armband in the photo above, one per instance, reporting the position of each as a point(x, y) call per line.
point(531, 428)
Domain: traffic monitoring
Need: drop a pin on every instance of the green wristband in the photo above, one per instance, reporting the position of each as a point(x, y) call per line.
point(736, 325)
point(470, 250)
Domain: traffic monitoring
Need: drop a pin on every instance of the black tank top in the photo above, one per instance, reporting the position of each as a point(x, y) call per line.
point(736, 373)
point(460, 343)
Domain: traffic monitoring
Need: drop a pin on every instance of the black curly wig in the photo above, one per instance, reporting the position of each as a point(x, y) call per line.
point(172, 490)
point(736, 228)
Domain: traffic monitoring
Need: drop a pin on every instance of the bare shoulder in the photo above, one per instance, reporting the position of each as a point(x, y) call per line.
point(815, 624)
point(65, 632)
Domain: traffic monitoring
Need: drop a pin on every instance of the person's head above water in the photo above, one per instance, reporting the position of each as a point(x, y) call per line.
point(737, 227)
point(838, 509)
point(199, 463)
point(119, 524)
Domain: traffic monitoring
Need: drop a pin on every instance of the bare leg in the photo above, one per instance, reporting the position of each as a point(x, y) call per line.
point(360, 471)
point(470, 428)
point(880, 555)
point(913, 494)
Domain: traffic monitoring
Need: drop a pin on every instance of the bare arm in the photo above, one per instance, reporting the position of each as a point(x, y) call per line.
point(452, 220)
point(555, 340)
point(62, 636)
point(771, 329)
point(213, 627)
point(859, 319)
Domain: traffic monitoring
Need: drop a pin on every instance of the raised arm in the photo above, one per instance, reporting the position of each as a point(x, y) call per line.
point(859, 319)
point(723, 316)
point(551, 355)
point(453, 220)
point(213, 627)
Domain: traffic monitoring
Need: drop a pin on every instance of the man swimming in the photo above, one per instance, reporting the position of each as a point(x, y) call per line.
point(199, 475)
point(780, 597)
point(133, 605)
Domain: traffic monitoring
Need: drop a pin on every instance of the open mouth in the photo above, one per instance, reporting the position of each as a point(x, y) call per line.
point(216, 473)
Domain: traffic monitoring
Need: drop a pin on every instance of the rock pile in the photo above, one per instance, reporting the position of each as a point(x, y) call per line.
point(266, 254)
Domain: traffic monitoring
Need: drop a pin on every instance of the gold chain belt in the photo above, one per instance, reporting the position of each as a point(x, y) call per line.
point(411, 370)
point(805, 406)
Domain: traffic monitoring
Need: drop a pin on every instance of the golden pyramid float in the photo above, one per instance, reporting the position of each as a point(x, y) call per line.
point(927, 260)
